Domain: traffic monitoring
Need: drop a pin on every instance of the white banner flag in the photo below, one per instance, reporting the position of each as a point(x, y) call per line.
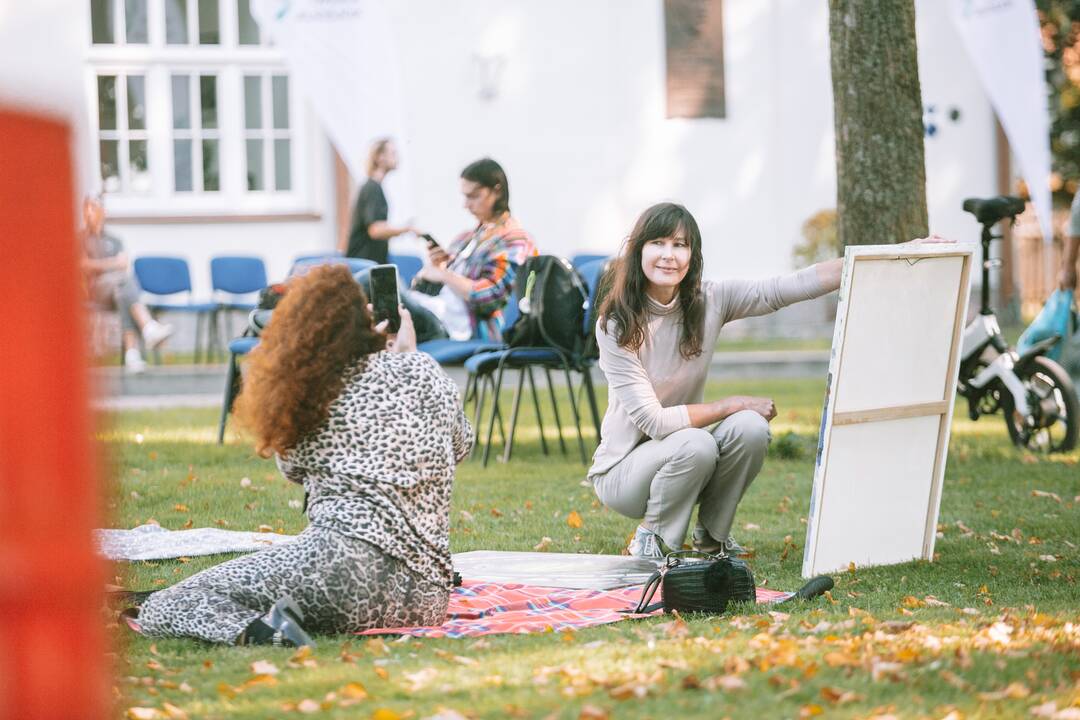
point(342, 57)
point(1003, 39)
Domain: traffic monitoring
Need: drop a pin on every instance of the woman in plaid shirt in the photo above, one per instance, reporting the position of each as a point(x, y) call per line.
point(479, 266)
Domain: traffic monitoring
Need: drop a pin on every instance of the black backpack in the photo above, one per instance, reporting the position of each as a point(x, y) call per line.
point(552, 299)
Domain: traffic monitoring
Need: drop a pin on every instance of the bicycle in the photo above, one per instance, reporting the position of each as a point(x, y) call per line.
point(1035, 394)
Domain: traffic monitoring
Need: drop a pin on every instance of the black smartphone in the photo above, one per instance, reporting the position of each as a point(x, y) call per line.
point(384, 296)
point(431, 242)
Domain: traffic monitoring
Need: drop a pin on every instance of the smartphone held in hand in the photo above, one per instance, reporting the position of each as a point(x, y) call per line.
point(384, 296)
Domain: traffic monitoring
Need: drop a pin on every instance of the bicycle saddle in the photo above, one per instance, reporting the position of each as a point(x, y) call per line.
point(989, 210)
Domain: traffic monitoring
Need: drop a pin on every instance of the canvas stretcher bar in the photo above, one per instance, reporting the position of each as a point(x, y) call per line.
point(888, 407)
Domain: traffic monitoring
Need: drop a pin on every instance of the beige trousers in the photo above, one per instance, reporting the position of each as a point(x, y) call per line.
point(662, 480)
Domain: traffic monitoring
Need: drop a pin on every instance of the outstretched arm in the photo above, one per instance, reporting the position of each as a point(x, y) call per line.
point(829, 272)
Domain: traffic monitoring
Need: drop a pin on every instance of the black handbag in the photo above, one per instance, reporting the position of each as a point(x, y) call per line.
point(704, 586)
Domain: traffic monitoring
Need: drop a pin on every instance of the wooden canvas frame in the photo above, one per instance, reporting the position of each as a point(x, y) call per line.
point(888, 405)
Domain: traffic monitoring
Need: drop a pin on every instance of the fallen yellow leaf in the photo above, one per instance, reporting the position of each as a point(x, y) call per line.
point(574, 520)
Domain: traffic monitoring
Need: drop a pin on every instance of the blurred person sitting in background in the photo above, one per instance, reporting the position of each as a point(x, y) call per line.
point(477, 270)
point(373, 431)
point(109, 284)
point(369, 237)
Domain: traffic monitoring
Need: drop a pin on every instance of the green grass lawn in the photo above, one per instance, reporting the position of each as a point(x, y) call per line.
point(990, 629)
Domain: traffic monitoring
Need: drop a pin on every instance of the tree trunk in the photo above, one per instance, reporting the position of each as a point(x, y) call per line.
point(880, 166)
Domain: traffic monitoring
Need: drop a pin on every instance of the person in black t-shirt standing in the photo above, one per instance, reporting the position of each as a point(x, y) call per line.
point(370, 233)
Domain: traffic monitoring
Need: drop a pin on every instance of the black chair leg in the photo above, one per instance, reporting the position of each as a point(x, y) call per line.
point(574, 410)
point(536, 407)
point(494, 411)
point(508, 448)
point(480, 395)
point(555, 409)
point(232, 389)
point(198, 336)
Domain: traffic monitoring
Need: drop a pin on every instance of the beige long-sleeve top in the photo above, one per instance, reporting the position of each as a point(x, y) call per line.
point(649, 389)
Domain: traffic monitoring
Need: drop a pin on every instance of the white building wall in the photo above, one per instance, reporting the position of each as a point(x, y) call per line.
point(578, 122)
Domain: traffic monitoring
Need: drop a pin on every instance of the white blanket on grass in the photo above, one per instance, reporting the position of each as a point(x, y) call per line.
point(153, 542)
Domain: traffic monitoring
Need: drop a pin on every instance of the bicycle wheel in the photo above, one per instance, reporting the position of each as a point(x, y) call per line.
point(1055, 410)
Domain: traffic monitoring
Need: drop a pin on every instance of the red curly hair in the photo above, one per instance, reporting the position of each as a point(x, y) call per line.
point(320, 327)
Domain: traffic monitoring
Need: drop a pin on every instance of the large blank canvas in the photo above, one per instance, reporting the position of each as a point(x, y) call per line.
point(888, 407)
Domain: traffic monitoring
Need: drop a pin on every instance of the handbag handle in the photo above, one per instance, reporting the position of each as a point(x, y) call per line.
point(647, 593)
point(676, 555)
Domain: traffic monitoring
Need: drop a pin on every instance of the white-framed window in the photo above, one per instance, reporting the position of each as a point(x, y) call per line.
point(267, 134)
point(196, 138)
point(122, 134)
point(193, 112)
point(119, 22)
point(192, 22)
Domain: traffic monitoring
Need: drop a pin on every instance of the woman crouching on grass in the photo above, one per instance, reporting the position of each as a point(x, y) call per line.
point(665, 449)
point(374, 435)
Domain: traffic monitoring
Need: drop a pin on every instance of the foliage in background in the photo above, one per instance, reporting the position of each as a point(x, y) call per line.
point(1060, 21)
point(820, 241)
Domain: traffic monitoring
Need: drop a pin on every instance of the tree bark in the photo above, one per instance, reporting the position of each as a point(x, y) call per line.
point(880, 164)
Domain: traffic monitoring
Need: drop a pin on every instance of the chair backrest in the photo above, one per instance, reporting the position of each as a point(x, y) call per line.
point(355, 265)
point(160, 275)
point(317, 256)
point(237, 274)
point(408, 266)
point(593, 272)
point(579, 261)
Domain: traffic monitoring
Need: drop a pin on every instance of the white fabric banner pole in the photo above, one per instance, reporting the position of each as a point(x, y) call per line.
point(1004, 42)
point(342, 57)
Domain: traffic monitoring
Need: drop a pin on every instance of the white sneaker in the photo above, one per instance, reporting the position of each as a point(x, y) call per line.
point(133, 362)
point(704, 542)
point(646, 544)
point(155, 333)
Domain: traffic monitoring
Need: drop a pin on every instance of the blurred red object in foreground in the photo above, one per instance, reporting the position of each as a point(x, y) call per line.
point(52, 645)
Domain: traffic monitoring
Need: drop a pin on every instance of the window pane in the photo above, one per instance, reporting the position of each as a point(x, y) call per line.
point(249, 30)
point(282, 165)
point(209, 25)
point(102, 21)
point(181, 101)
point(176, 22)
point(255, 178)
point(182, 164)
point(252, 102)
point(110, 165)
point(210, 165)
point(135, 20)
point(136, 101)
point(281, 101)
point(106, 94)
point(208, 95)
point(138, 169)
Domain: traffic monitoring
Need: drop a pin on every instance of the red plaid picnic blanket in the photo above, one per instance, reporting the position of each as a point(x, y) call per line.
point(487, 608)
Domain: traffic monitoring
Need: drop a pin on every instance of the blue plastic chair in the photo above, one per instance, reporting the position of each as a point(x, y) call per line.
point(236, 276)
point(355, 265)
point(579, 261)
point(167, 276)
point(407, 265)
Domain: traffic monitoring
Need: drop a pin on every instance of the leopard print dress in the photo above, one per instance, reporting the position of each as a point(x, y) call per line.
point(376, 553)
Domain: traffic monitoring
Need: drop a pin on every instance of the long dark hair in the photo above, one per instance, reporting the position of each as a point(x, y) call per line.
point(626, 303)
point(321, 325)
point(485, 172)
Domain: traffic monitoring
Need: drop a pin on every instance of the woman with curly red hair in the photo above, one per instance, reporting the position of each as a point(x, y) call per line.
point(374, 435)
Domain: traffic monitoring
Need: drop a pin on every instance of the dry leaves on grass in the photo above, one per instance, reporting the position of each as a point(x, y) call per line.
point(574, 520)
point(264, 667)
point(544, 544)
point(1013, 691)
